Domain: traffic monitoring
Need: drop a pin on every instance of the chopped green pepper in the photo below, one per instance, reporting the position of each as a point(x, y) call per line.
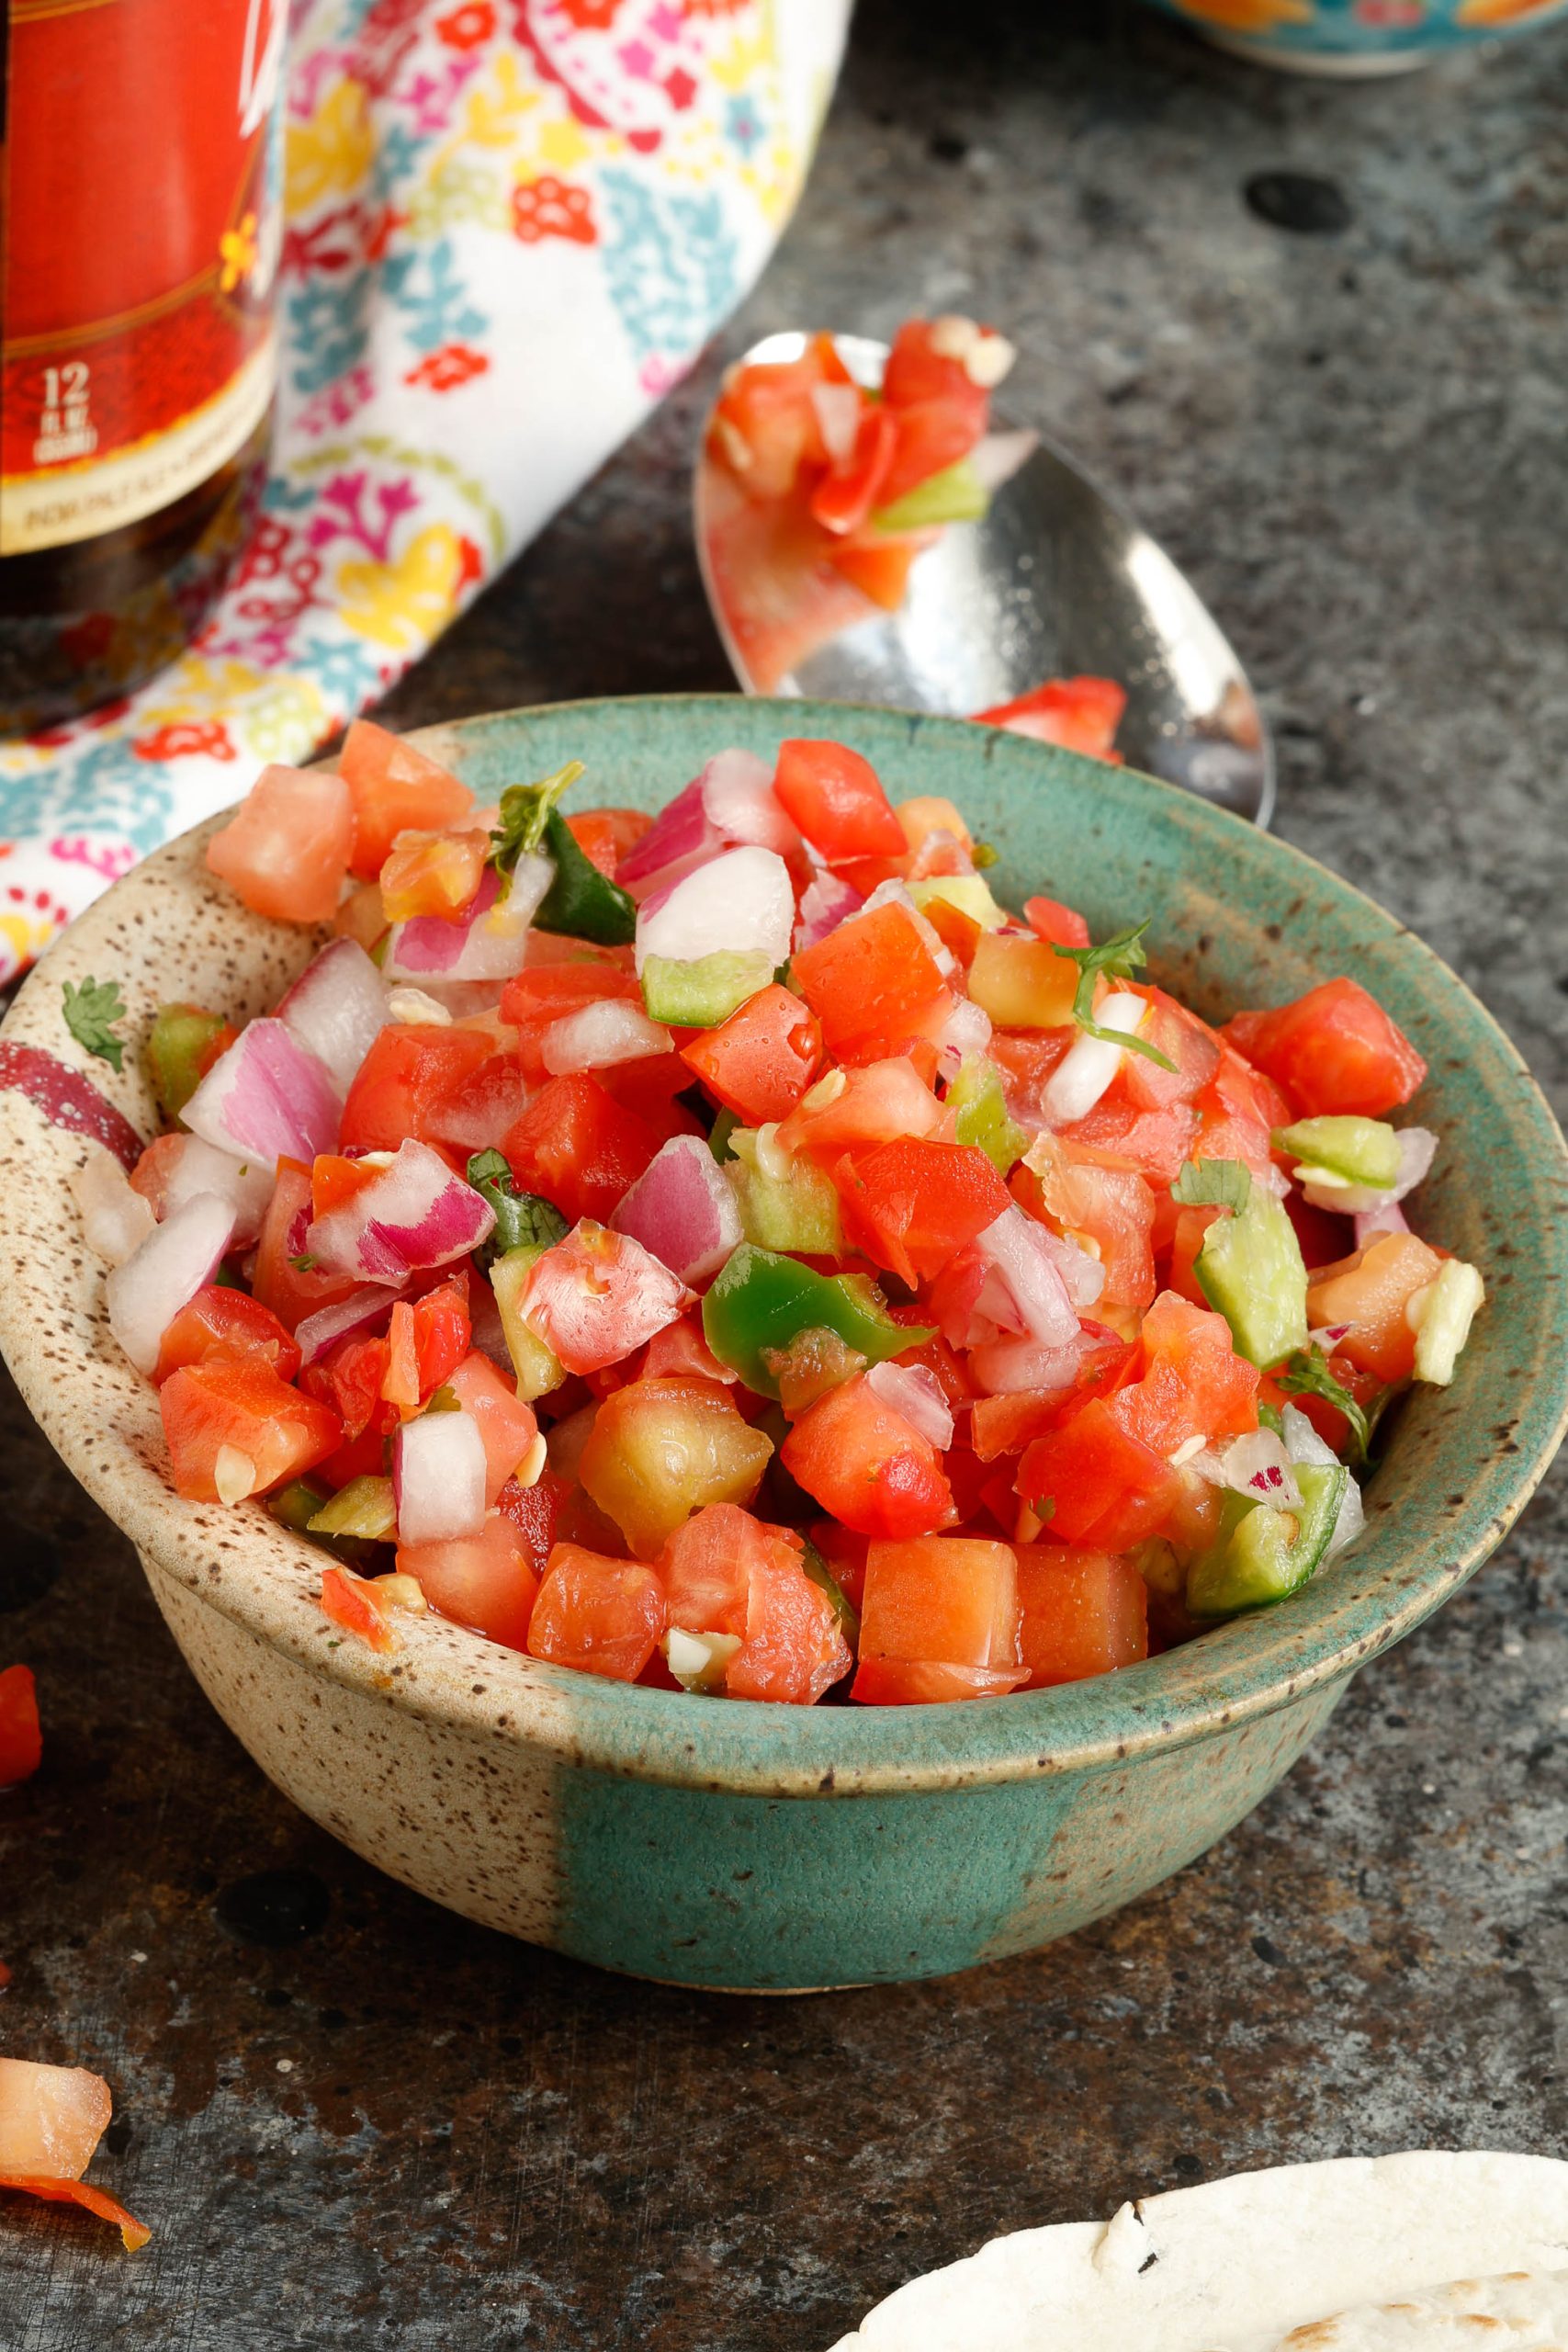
point(795, 1209)
point(822, 1575)
point(182, 1044)
point(520, 1217)
point(1251, 1271)
point(976, 1098)
point(537, 1367)
point(364, 1508)
point(957, 495)
point(759, 1299)
point(700, 994)
point(1359, 1151)
point(1262, 1553)
point(723, 1127)
point(297, 1504)
point(582, 902)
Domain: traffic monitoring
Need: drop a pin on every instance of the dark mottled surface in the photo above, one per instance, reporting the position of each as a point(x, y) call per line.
point(350, 2119)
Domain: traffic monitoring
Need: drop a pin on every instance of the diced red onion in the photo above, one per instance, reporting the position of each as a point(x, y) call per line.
point(966, 1029)
point(266, 1099)
point(360, 1312)
point(1418, 1148)
point(742, 900)
point(438, 1478)
point(200, 1167)
point(337, 1008)
point(682, 1211)
point(681, 837)
point(838, 419)
point(1258, 1465)
point(164, 1273)
point(1009, 1367)
point(1081, 1079)
point(998, 455)
point(115, 1217)
point(1304, 1444)
point(1372, 1223)
point(415, 1213)
point(1022, 1266)
point(1084, 1275)
point(1327, 1336)
point(914, 1391)
point(740, 802)
point(599, 1037)
point(488, 941)
point(827, 901)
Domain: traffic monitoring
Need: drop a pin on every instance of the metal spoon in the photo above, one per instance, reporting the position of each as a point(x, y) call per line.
point(1054, 581)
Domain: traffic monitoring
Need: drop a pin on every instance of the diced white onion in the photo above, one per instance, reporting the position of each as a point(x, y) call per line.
point(996, 458)
point(1021, 1262)
point(837, 418)
point(438, 1478)
point(682, 1210)
point(337, 1008)
point(1079, 1080)
point(267, 1098)
point(600, 1035)
point(742, 900)
point(914, 1391)
point(164, 1273)
point(200, 1167)
point(740, 802)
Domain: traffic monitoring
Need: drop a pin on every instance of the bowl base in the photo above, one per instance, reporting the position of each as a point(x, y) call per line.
point(1344, 65)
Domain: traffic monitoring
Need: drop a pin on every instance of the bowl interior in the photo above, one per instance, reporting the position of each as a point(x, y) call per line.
point(1237, 918)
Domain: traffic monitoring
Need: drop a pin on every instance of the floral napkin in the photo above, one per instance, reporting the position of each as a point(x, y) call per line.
point(509, 226)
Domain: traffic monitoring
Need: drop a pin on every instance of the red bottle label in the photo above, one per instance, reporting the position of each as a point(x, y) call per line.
point(138, 243)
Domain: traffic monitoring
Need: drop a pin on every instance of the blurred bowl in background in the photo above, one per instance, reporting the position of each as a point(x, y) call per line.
point(1356, 36)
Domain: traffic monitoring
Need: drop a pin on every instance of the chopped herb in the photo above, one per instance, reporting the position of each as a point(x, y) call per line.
point(91, 1013)
point(303, 1265)
point(520, 1218)
point(1214, 1183)
point(525, 809)
point(445, 1400)
point(1306, 1373)
point(1268, 1418)
point(982, 854)
point(1118, 958)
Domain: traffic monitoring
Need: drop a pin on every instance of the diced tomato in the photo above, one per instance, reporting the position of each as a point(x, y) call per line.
point(579, 1148)
point(346, 1600)
point(760, 1062)
point(134, 2235)
point(1154, 1142)
point(268, 1431)
point(939, 1601)
point(1057, 925)
point(932, 436)
point(432, 874)
point(541, 996)
point(680, 1352)
point(910, 1205)
point(1108, 1208)
point(1104, 1487)
point(486, 1581)
point(706, 1567)
point(834, 797)
point(405, 1083)
point(427, 1338)
point(607, 835)
point(793, 1648)
point(52, 2119)
point(601, 1616)
point(507, 1425)
point(873, 984)
point(880, 1103)
point(395, 789)
point(535, 1512)
point(1192, 1383)
point(765, 425)
point(844, 1550)
point(651, 1089)
point(1183, 1039)
point(958, 932)
point(224, 1326)
point(845, 494)
point(287, 847)
point(1084, 1612)
point(598, 1294)
point(291, 1291)
point(352, 1378)
point(22, 1740)
point(879, 564)
point(924, 1683)
point(1076, 714)
point(1191, 1232)
point(660, 1449)
point(866, 1464)
point(1022, 983)
point(1329, 1422)
point(1027, 1061)
point(1371, 1293)
point(1335, 1050)
point(917, 371)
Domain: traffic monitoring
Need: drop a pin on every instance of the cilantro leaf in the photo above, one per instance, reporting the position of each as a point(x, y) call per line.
point(525, 809)
point(1306, 1373)
point(91, 1013)
point(1213, 1183)
point(520, 1217)
point(1118, 958)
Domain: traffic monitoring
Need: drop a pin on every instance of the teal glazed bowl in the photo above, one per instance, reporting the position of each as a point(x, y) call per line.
point(726, 1844)
point(1354, 38)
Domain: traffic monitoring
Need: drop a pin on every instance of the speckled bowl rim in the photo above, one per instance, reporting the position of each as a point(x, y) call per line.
point(103, 1418)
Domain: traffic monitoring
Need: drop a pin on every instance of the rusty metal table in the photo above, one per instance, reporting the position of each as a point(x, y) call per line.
point(352, 2118)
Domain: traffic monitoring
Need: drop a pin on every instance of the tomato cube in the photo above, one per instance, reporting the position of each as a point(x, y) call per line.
point(760, 1062)
point(347, 1600)
point(1022, 983)
point(601, 1616)
point(507, 1425)
point(579, 1148)
point(1084, 1612)
point(21, 1739)
point(405, 1083)
point(292, 1290)
point(236, 1428)
point(287, 847)
point(911, 1205)
point(1371, 1293)
point(1076, 714)
point(224, 1326)
point(1193, 1384)
point(873, 984)
point(1094, 1482)
point(834, 797)
point(1333, 1050)
point(538, 998)
point(394, 788)
point(942, 1603)
point(432, 874)
point(487, 1580)
point(794, 1647)
point(867, 1465)
point(597, 1296)
point(879, 1103)
point(660, 1449)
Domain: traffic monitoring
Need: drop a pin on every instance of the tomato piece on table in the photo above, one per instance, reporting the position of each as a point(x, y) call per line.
point(660, 1449)
point(873, 984)
point(21, 1737)
point(405, 1083)
point(601, 1616)
point(487, 1581)
point(760, 1062)
point(946, 1605)
point(394, 788)
point(235, 1430)
point(280, 1281)
point(1093, 1482)
point(579, 1148)
point(1076, 713)
point(910, 1206)
point(287, 847)
point(1370, 1294)
point(836, 800)
point(1084, 1612)
point(867, 1465)
point(1333, 1050)
point(224, 1326)
point(597, 1294)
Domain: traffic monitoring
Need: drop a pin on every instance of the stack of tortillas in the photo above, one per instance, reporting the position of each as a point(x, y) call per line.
point(1429, 2252)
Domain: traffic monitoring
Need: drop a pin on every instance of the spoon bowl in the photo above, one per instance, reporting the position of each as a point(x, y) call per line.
point(1054, 581)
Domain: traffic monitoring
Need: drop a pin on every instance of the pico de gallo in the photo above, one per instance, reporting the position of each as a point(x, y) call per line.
point(733, 1250)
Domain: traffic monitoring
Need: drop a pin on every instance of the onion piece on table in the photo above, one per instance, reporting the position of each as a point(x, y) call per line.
point(337, 1008)
point(164, 1273)
point(682, 1211)
point(414, 1213)
point(438, 1477)
point(266, 1099)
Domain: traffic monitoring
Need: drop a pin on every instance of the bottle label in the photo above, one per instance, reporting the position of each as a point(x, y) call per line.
point(139, 244)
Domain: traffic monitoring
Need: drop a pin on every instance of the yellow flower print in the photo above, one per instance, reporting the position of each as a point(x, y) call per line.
point(493, 117)
point(1249, 16)
point(563, 145)
point(332, 154)
point(402, 604)
point(237, 252)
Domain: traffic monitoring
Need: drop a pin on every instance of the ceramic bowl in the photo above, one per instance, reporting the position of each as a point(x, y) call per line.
point(1351, 38)
point(772, 1848)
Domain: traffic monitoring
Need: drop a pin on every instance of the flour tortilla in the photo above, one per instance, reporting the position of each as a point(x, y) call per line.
point(1524, 2311)
point(1237, 2265)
